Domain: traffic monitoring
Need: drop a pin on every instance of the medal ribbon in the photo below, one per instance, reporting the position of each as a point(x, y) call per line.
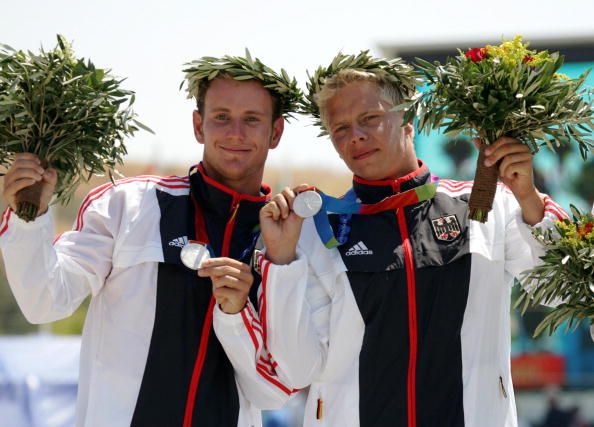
point(200, 228)
point(348, 206)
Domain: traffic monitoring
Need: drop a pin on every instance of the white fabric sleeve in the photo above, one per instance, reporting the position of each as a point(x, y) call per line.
point(522, 249)
point(241, 336)
point(295, 311)
point(50, 280)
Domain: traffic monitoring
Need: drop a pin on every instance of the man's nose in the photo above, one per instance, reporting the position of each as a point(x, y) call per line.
point(235, 129)
point(358, 134)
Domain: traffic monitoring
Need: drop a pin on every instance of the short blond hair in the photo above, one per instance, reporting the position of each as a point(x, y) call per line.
point(388, 92)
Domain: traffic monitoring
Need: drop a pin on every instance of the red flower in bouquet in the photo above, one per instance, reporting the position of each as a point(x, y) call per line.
point(476, 54)
point(585, 229)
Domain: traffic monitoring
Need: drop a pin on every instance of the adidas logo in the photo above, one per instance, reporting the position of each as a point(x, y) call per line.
point(180, 242)
point(359, 249)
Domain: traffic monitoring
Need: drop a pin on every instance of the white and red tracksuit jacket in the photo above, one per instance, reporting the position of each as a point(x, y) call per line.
point(148, 357)
point(408, 323)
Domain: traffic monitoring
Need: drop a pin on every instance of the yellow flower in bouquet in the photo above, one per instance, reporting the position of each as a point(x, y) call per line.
point(565, 275)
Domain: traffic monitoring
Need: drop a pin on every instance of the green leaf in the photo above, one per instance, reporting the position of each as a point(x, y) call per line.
point(143, 126)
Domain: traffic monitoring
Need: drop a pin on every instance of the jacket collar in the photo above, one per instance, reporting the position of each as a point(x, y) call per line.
point(218, 199)
point(374, 191)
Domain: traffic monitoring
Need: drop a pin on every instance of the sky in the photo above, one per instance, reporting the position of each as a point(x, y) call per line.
point(148, 42)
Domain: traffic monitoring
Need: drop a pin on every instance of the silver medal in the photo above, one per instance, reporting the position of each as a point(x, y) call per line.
point(307, 204)
point(193, 254)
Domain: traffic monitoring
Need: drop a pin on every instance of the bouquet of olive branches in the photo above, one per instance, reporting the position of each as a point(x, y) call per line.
point(505, 90)
point(69, 113)
point(566, 274)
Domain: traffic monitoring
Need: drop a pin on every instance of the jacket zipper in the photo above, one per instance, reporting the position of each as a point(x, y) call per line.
point(320, 409)
point(411, 386)
point(229, 227)
point(503, 392)
point(207, 325)
point(412, 319)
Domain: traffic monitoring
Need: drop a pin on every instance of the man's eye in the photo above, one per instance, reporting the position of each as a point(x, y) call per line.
point(371, 118)
point(221, 117)
point(252, 119)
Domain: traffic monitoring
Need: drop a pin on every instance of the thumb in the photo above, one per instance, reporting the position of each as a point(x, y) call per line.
point(50, 176)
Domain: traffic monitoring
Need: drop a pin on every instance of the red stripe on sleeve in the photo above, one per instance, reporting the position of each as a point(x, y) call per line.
point(5, 219)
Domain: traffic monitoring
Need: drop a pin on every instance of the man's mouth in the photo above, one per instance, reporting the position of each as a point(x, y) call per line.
point(235, 149)
point(365, 154)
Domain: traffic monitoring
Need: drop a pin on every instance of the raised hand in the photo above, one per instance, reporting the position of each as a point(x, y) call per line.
point(516, 171)
point(25, 171)
point(281, 226)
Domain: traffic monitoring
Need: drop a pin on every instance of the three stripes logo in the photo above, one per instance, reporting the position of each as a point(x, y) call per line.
point(179, 242)
point(359, 249)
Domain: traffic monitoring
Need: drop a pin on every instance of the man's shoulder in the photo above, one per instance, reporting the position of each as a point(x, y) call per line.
point(128, 194)
point(453, 187)
point(142, 183)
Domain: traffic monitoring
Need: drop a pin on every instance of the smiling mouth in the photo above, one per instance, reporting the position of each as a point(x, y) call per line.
point(235, 149)
point(365, 154)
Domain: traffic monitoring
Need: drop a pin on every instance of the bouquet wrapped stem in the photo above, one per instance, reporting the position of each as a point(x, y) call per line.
point(484, 188)
point(28, 199)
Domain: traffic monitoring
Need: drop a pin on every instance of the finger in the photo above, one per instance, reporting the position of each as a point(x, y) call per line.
point(230, 282)
point(21, 173)
point(217, 271)
point(270, 210)
point(27, 164)
point(512, 159)
point(219, 261)
point(517, 169)
point(226, 271)
point(501, 141)
point(496, 154)
point(26, 156)
point(289, 195)
point(221, 266)
point(283, 205)
point(15, 186)
point(221, 300)
point(230, 295)
point(302, 187)
point(50, 176)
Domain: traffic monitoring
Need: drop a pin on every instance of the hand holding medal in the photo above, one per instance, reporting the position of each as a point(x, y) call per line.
point(281, 220)
point(231, 279)
point(231, 282)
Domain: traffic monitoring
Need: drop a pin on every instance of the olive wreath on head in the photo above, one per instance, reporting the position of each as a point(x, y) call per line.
point(397, 71)
point(201, 71)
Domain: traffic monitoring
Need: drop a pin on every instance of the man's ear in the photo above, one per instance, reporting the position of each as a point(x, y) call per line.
point(409, 130)
point(277, 131)
point(198, 126)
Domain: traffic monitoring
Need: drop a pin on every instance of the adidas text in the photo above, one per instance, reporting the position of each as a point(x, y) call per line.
point(180, 242)
point(359, 249)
